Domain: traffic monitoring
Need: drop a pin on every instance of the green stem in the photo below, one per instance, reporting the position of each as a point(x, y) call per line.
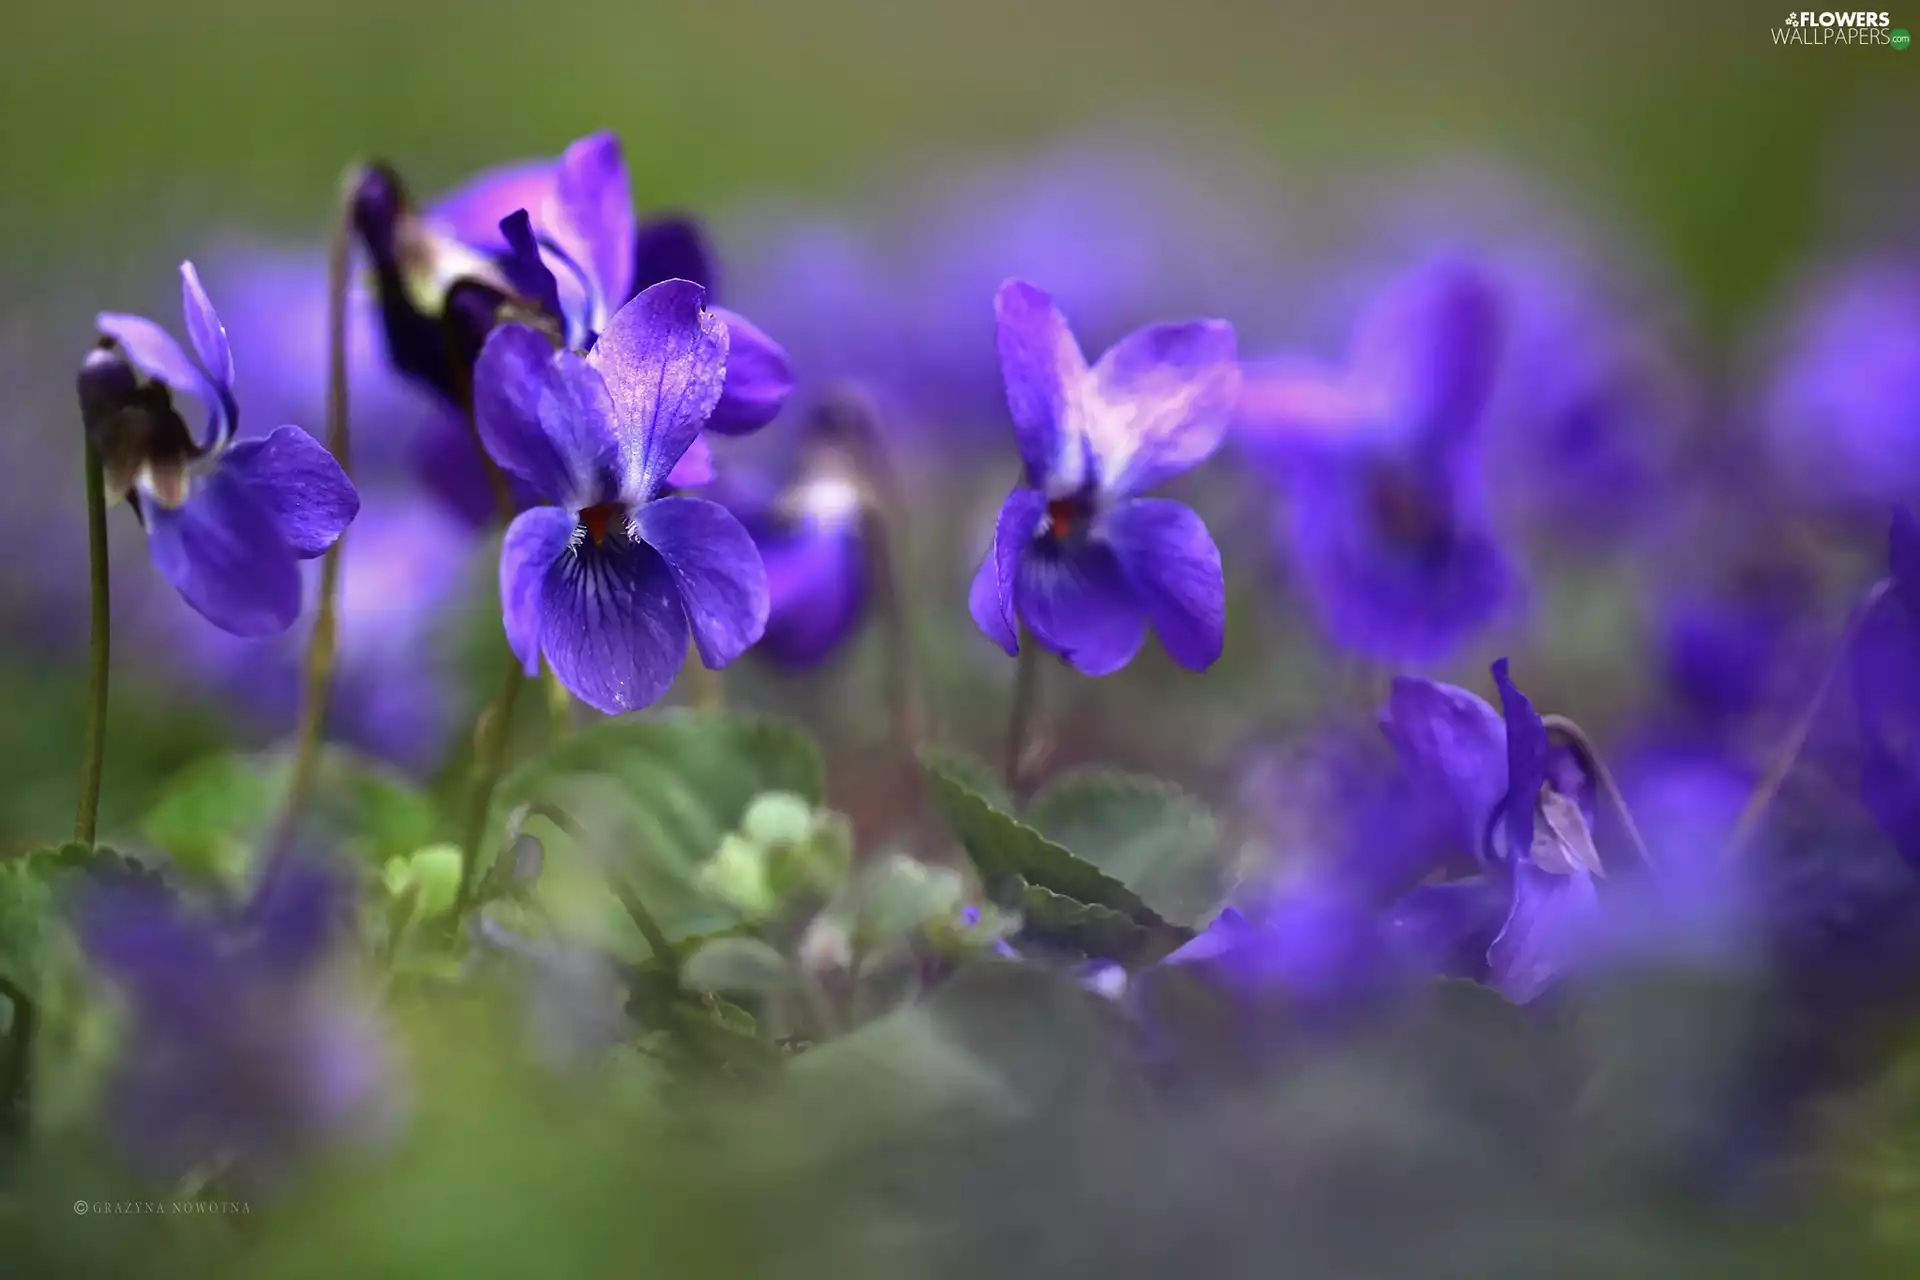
point(1787, 754)
point(1026, 697)
point(323, 642)
point(93, 748)
point(1603, 780)
point(489, 758)
point(559, 705)
point(16, 1068)
point(709, 686)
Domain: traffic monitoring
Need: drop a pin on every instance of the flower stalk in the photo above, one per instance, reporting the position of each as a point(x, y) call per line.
point(93, 743)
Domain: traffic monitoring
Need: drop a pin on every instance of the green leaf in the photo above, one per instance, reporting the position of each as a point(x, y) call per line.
point(1098, 932)
point(970, 771)
point(214, 816)
point(1144, 832)
point(31, 889)
point(650, 799)
point(1001, 846)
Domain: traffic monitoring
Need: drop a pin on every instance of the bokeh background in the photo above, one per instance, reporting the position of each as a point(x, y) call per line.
point(1245, 159)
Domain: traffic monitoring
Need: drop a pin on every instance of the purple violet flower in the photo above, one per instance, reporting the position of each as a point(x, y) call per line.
point(1841, 419)
point(813, 540)
point(1380, 461)
point(227, 523)
point(1078, 556)
point(245, 1053)
point(1886, 678)
point(608, 581)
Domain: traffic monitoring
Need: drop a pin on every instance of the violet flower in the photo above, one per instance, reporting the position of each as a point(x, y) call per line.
point(1078, 557)
point(1380, 461)
point(812, 536)
point(1841, 420)
point(608, 581)
point(227, 523)
point(1528, 812)
point(245, 1056)
point(1885, 667)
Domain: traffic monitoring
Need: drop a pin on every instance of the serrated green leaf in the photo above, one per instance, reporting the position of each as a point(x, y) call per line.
point(1001, 846)
point(971, 772)
point(1098, 932)
point(26, 905)
point(1145, 832)
point(650, 799)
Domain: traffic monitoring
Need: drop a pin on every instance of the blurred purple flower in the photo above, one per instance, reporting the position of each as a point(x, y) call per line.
point(227, 523)
point(812, 536)
point(394, 696)
point(608, 581)
point(1842, 422)
point(1077, 556)
point(1381, 464)
point(1885, 666)
point(245, 1054)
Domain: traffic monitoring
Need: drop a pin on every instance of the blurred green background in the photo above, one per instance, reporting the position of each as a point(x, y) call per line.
point(125, 120)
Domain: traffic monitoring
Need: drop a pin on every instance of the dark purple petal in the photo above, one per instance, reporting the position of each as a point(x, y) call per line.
point(223, 551)
point(717, 569)
point(991, 598)
point(204, 327)
point(1161, 399)
point(816, 589)
point(546, 417)
point(155, 353)
point(612, 625)
point(300, 908)
point(1526, 763)
point(293, 476)
point(1431, 347)
point(1903, 559)
point(523, 266)
point(664, 360)
point(1042, 367)
point(1451, 925)
point(535, 541)
point(1552, 920)
point(593, 214)
point(758, 378)
point(1453, 747)
point(671, 249)
point(1076, 601)
point(1170, 559)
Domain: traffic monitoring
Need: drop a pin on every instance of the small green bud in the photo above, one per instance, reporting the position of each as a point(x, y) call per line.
point(776, 818)
point(432, 873)
point(737, 872)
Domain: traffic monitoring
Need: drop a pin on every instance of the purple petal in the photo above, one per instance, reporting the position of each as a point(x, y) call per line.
point(1431, 347)
point(1162, 397)
point(523, 265)
point(224, 553)
point(758, 378)
point(1042, 367)
point(299, 907)
point(1903, 558)
point(1526, 762)
point(1454, 748)
point(990, 599)
point(293, 476)
point(204, 327)
point(612, 624)
point(472, 212)
point(593, 208)
point(1551, 920)
point(670, 249)
point(546, 417)
point(695, 468)
point(1451, 925)
point(816, 590)
point(535, 541)
point(713, 560)
point(1077, 602)
point(664, 360)
point(1291, 409)
point(1169, 557)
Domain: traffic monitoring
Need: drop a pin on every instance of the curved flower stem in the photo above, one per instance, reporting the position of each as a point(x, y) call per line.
point(16, 1067)
point(93, 743)
point(709, 687)
point(1026, 698)
point(559, 705)
point(489, 758)
point(322, 643)
point(1596, 768)
point(1787, 754)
